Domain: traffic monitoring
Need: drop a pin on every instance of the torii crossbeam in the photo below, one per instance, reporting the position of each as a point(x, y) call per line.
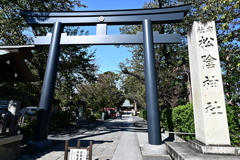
point(101, 19)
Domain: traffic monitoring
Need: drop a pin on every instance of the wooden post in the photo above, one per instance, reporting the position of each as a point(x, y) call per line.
point(78, 144)
point(66, 150)
point(90, 150)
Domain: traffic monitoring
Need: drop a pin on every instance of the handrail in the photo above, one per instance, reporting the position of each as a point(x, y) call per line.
point(182, 133)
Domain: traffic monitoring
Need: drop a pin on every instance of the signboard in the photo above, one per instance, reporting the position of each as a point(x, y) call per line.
point(78, 154)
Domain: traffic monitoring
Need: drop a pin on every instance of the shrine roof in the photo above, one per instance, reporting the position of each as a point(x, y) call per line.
point(12, 64)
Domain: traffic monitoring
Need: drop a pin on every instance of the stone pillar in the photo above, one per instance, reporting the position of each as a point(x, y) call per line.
point(211, 126)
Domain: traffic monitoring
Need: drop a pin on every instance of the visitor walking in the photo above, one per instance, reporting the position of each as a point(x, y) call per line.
point(118, 115)
point(103, 115)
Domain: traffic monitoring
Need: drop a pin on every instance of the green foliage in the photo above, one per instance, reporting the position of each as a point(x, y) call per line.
point(91, 118)
point(143, 114)
point(88, 112)
point(76, 62)
point(166, 119)
point(134, 89)
point(101, 94)
point(172, 66)
point(29, 129)
point(183, 120)
point(98, 114)
point(61, 119)
point(233, 113)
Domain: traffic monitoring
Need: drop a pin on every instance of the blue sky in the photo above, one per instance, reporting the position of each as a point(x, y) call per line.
point(109, 56)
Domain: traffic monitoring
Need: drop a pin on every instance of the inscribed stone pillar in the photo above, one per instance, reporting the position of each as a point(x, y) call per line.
point(210, 117)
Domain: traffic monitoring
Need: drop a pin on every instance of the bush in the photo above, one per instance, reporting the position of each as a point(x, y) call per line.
point(166, 119)
point(88, 113)
point(233, 113)
point(61, 119)
point(91, 118)
point(183, 121)
point(98, 115)
point(143, 114)
point(28, 129)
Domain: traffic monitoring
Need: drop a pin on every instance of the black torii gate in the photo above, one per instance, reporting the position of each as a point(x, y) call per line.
point(101, 19)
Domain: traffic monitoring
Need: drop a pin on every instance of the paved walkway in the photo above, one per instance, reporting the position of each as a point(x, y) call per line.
point(114, 140)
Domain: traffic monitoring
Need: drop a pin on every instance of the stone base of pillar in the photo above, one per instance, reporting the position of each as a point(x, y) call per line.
point(230, 150)
point(184, 151)
point(159, 151)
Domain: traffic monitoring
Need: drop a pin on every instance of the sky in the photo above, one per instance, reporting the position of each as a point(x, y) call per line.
point(108, 56)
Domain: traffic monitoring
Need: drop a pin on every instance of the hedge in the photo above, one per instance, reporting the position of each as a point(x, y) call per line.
point(180, 119)
point(143, 114)
point(233, 113)
point(166, 119)
point(183, 120)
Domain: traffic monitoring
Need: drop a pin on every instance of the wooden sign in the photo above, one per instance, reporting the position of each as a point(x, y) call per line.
point(78, 154)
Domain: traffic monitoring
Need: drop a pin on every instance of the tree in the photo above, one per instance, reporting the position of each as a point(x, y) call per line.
point(76, 62)
point(103, 93)
point(76, 68)
point(173, 76)
point(169, 62)
point(226, 15)
point(133, 88)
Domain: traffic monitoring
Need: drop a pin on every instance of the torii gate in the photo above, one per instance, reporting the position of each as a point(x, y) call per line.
point(101, 19)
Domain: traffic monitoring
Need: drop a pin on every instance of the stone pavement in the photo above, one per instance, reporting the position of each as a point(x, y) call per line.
point(116, 139)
